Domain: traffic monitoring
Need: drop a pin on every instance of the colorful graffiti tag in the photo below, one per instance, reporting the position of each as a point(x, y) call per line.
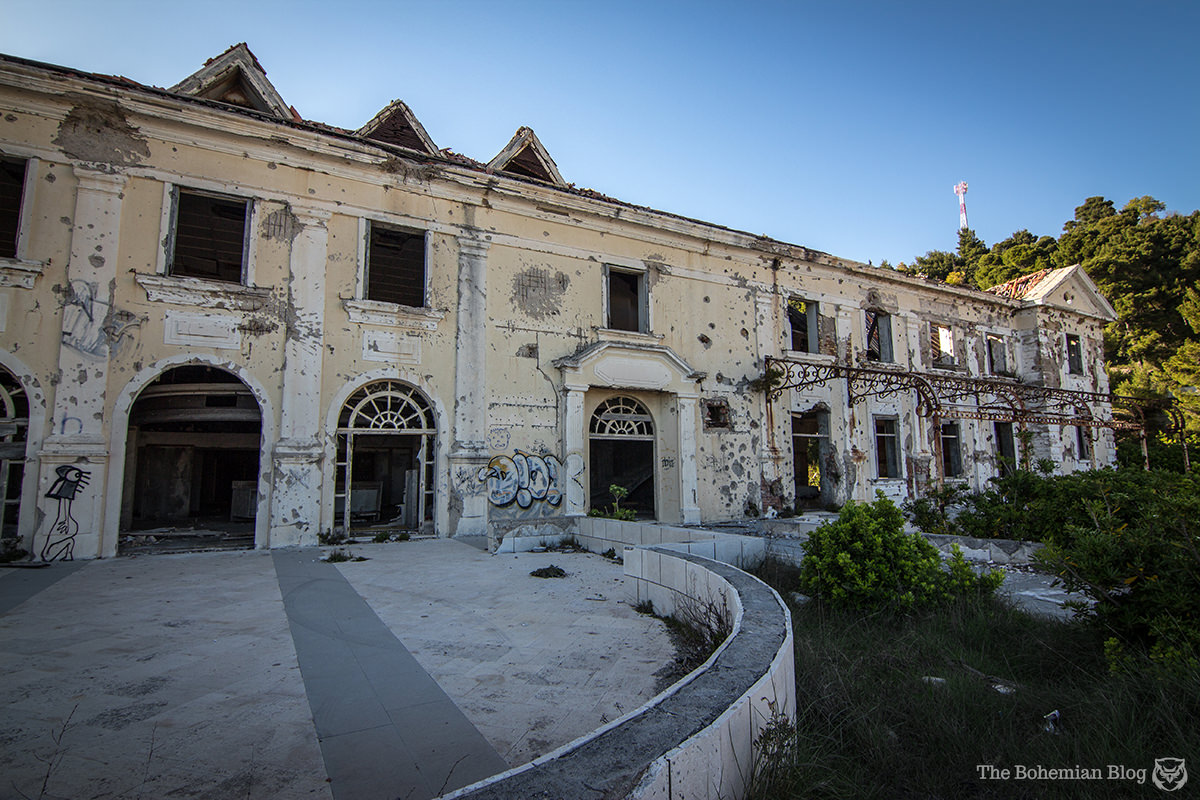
point(523, 478)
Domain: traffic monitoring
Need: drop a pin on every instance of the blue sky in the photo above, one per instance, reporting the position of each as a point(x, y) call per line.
point(840, 126)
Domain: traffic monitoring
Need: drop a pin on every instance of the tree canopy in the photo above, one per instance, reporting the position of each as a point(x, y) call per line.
point(1145, 260)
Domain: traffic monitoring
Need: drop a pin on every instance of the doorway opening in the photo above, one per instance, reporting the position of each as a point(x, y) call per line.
point(621, 444)
point(810, 449)
point(14, 426)
point(194, 449)
point(384, 470)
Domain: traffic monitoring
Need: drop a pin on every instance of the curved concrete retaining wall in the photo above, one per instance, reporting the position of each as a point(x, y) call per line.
point(695, 740)
point(599, 535)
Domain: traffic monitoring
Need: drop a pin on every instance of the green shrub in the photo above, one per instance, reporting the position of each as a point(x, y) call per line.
point(866, 560)
point(1131, 546)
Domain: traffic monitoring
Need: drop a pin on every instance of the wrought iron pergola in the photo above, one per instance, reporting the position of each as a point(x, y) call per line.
point(952, 395)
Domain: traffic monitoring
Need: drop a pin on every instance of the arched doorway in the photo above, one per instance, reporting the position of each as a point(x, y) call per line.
point(384, 468)
point(14, 427)
point(193, 456)
point(621, 445)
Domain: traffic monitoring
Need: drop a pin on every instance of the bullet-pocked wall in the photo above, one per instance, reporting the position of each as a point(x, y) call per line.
point(229, 326)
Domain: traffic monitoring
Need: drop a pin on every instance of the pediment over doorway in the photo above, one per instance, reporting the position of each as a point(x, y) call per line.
point(618, 365)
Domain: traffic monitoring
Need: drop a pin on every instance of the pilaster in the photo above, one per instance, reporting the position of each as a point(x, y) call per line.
point(72, 463)
point(469, 449)
point(689, 506)
point(296, 493)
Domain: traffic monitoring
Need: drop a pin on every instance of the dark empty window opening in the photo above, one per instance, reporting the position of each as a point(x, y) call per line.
point(625, 301)
point(1083, 443)
point(210, 237)
point(941, 345)
point(12, 186)
point(1006, 448)
point(879, 336)
point(802, 317)
point(887, 448)
point(951, 450)
point(716, 414)
point(396, 267)
point(1074, 355)
point(997, 355)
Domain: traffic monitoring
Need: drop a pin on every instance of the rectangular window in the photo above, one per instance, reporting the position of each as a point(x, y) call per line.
point(810, 447)
point(1083, 444)
point(997, 355)
point(879, 336)
point(210, 235)
point(1074, 355)
point(627, 306)
point(12, 187)
point(1006, 448)
point(887, 448)
point(802, 317)
point(395, 271)
point(941, 345)
point(951, 450)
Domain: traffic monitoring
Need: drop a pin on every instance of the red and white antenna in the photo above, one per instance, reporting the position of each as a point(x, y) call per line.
point(960, 189)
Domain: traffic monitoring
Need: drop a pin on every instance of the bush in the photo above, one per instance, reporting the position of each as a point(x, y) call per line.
point(1130, 545)
point(866, 560)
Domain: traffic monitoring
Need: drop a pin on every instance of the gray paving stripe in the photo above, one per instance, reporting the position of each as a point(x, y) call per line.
point(24, 582)
point(387, 730)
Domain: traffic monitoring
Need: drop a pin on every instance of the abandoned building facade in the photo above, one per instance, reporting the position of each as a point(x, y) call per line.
point(212, 309)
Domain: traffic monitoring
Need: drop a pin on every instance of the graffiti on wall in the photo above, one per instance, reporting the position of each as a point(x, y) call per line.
point(523, 478)
point(91, 325)
point(60, 541)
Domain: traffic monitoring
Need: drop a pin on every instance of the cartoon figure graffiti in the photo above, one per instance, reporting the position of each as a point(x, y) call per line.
point(60, 541)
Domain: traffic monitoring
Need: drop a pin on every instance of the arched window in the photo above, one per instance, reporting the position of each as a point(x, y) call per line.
point(387, 406)
point(622, 418)
point(384, 473)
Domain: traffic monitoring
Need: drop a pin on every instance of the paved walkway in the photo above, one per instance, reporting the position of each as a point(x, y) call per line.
point(276, 675)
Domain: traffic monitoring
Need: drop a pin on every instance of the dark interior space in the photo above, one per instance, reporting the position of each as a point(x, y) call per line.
point(193, 462)
point(628, 463)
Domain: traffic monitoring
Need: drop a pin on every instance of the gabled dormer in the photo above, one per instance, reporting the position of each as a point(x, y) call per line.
point(397, 125)
point(525, 156)
point(1067, 288)
point(235, 77)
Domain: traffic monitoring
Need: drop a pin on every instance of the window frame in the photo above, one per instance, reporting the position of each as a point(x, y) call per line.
point(811, 314)
point(938, 357)
point(643, 298)
point(882, 320)
point(1006, 434)
point(24, 204)
point(993, 343)
point(952, 463)
point(170, 225)
point(1074, 344)
point(366, 228)
point(1083, 444)
point(893, 467)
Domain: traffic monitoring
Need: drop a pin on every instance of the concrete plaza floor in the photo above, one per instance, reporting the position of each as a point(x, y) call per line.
point(197, 676)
